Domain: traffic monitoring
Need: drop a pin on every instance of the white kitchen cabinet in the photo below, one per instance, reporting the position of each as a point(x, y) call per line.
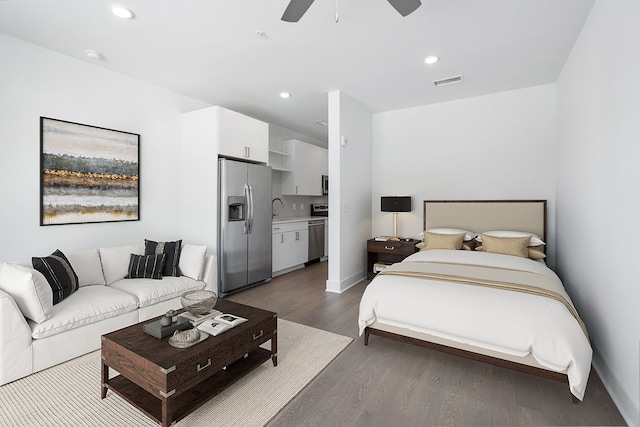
point(306, 163)
point(242, 137)
point(290, 246)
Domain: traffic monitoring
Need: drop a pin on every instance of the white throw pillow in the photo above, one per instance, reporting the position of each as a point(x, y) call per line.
point(192, 260)
point(115, 261)
point(535, 240)
point(87, 266)
point(29, 289)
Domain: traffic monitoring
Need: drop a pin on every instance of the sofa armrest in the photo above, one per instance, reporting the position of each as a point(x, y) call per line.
point(209, 273)
point(16, 358)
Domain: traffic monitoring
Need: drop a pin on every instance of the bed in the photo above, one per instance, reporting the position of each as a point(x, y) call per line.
point(508, 310)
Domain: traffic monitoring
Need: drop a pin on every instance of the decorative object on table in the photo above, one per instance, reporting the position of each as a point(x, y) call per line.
point(156, 329)
point(87, 173)
point(395, 204)
point(168, 318)
point(187, 338)
point(198, 302)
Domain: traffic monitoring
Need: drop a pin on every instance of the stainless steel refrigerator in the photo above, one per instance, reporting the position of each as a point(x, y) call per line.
point(244, 225)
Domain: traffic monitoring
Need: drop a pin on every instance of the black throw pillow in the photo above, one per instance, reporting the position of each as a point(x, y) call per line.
point(58, 271)
point(145, 266)
point(170, 249)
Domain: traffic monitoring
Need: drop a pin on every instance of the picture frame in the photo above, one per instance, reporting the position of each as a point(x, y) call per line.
point(88, 174)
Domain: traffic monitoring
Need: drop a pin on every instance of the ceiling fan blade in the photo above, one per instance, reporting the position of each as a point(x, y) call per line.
point(295, 10)
point(405, 7)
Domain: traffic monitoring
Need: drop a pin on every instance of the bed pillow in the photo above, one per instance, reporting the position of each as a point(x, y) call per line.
point(536, 252)
point(29, 289)
point(441, 241)
point(58, 271)
point(535, 240)
point(515, 246)
point(470, 245)
point(172, 252)
point(468, 235)
point(146, 266)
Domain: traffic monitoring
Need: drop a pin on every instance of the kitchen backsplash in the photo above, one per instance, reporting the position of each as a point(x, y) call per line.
point(295, 206)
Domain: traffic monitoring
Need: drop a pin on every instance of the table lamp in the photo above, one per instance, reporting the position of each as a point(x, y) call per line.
point(395, 204)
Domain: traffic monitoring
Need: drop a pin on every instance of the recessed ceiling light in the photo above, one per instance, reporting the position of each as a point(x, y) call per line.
point(432, 59)
point(94, 54)
point(285, 95)
point(122, 12)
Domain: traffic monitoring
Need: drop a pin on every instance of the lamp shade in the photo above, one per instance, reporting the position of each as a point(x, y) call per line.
point(395, 204)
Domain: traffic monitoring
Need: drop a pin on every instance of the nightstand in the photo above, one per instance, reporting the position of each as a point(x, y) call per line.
point(388, 252)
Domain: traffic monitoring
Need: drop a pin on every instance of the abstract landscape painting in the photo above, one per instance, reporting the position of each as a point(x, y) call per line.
point(88, 174)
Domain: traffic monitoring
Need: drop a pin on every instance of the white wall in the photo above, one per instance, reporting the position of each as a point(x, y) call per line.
point(598, 201)
point(350, 127)
point(498, 146)
point(37, 82)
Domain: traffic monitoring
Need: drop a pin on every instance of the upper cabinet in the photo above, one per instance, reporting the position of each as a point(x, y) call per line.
point(306, 163)
point(242, 137)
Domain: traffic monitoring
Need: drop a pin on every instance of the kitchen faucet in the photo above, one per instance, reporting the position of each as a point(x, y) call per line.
point(273, 215)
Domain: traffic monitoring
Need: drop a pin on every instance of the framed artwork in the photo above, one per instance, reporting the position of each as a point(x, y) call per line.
point(87, 174)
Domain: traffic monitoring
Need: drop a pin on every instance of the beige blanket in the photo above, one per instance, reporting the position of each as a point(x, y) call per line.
point(499, 278)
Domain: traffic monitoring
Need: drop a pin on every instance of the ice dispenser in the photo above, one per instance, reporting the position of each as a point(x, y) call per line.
point(236, 208)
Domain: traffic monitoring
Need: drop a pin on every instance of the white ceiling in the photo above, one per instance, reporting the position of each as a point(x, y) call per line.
point(210, 49)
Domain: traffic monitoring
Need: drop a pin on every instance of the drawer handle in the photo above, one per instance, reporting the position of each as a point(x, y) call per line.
point(200, 368)
point(390, 248)
point(255, 337)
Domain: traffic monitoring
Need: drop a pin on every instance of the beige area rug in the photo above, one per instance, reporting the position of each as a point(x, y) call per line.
point(69, 394)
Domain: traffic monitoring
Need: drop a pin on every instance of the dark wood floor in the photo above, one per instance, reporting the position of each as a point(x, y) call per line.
point(389, 383)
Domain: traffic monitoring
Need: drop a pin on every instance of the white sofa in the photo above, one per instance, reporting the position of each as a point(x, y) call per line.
point(104, 302)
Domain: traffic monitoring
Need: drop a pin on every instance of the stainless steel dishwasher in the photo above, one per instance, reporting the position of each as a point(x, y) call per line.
point(316, 239)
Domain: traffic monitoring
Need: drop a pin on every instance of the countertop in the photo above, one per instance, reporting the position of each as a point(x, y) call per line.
point(277, 220)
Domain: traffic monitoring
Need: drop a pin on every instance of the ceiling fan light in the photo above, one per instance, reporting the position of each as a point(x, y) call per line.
point(431, 59)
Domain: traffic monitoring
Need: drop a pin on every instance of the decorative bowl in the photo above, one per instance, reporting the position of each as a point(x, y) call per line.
point(198, 302)
point(185, 339)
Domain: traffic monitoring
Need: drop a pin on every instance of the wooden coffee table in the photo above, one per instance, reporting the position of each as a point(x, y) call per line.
point(168, 383)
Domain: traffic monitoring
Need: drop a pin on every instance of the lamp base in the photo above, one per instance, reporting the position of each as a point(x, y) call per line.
point(394, 239)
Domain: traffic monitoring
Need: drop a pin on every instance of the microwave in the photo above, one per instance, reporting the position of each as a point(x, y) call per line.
point(325, 184)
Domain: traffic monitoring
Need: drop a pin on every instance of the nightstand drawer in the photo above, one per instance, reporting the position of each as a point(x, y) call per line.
point(388, 252)
point(398, 248)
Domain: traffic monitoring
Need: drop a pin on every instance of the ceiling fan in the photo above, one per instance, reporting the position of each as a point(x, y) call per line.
point(297, 8)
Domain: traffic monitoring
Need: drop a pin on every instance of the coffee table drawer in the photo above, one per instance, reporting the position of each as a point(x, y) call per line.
point(212, 360)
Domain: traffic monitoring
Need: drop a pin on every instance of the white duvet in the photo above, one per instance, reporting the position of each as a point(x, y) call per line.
point(506, 321)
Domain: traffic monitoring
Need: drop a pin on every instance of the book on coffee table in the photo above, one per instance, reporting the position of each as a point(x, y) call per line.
point(220, 323)
point(196, 319)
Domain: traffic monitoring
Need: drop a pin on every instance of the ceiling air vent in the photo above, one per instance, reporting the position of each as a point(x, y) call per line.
point(447, 81)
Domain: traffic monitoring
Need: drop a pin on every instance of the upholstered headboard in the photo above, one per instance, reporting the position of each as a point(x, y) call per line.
point(485, 215)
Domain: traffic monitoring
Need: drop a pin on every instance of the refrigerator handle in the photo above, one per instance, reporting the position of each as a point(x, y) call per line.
point(250, 209)
point(247, 202)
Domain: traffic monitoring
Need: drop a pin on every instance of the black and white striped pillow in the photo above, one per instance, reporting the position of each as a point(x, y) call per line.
point(145, 266)
point(58, 271)
point(171, 250)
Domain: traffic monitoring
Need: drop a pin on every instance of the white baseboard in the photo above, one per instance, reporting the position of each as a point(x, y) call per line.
point(628, 408)
point(339, 287)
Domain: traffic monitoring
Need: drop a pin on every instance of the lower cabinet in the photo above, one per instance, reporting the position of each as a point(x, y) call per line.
point(290, 246)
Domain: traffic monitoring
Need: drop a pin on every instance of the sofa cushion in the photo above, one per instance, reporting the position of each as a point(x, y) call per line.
point(87, 266)
point(115, 261)
point(29, 289)
point(149, 291)
point(58, 271)
point(172, 252)
point(192, 260)
point(88, 305)
point(145, 266)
